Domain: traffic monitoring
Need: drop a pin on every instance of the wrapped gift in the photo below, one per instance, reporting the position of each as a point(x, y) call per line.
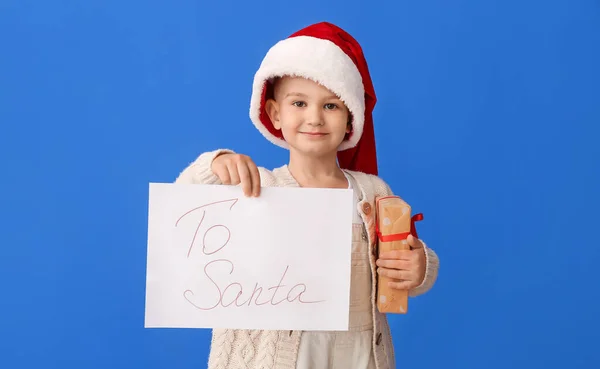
point(394, 224)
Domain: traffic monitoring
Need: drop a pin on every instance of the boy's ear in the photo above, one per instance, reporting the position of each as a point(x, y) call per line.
point(272, 109)
point(349, 124)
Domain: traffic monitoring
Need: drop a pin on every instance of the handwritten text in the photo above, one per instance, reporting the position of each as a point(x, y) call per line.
point(233, 294)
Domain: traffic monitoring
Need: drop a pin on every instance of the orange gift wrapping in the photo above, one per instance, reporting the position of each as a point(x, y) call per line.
point(394, 225)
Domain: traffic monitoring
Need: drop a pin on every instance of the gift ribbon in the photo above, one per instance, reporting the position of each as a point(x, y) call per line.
point(401, 236)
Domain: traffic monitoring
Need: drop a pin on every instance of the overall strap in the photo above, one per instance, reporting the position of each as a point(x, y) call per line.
point(354, 185)
point(366, 186)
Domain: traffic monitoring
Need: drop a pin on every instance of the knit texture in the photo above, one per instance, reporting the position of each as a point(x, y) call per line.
point(261, 349)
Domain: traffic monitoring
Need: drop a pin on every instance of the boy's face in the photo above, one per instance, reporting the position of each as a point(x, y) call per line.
point(312, 119)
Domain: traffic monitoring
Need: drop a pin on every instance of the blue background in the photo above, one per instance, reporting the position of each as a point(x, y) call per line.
point(496, 104)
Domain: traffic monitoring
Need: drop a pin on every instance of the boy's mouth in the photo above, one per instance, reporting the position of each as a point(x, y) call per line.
point(315, 134)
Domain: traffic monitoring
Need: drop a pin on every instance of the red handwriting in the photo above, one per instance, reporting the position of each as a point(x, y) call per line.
point(203, 207)
point(220, 295)
point(233, 292)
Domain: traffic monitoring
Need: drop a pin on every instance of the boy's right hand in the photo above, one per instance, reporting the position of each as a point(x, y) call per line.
point(233, 169)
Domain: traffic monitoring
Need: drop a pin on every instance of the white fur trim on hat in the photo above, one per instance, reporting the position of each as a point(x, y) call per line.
point(321, 61)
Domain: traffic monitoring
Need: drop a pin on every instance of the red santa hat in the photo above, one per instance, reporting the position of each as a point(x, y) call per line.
point(328, 55)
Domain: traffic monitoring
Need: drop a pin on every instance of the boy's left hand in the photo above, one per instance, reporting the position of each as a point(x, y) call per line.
point(405, 267)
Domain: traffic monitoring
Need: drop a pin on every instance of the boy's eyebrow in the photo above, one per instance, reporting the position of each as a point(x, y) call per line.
point(299, 94)
point(295, 94)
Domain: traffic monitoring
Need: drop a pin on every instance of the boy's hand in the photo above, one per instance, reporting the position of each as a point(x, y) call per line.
point(405, 267)
point(233, 169)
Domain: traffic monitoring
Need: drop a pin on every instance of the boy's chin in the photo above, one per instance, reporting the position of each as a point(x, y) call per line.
point(314, 151)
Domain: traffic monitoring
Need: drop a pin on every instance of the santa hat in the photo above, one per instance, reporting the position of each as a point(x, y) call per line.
point(331, 57)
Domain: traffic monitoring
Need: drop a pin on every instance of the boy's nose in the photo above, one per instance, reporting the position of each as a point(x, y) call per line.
point(314, 117)
point(315, 123)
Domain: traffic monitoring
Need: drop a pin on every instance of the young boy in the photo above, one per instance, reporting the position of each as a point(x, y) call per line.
point(313, 96)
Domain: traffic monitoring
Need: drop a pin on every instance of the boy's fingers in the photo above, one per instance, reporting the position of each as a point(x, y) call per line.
point(255, 179)
point(400, 275)
point(396, 255)
point(245, 178)
point(414, 242)
point(394, 264)
point(223, 173)
point(233, 174)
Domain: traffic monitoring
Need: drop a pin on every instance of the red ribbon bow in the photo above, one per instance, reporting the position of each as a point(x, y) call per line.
point(401, 236)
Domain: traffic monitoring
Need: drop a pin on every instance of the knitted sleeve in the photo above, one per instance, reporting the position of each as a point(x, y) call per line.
point(431, 272)
point(200, 172)
point(432, 260)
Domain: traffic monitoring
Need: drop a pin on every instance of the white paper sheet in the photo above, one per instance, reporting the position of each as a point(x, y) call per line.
point(216, 258)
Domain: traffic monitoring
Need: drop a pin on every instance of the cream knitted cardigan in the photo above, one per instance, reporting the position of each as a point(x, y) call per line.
point(237, 349)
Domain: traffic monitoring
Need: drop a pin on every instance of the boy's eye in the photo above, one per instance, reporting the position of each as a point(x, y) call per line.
point(330, 106)
point(299, 104)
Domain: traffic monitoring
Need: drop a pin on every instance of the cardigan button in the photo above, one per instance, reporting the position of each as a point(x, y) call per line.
point(367, 208)
point(378, 341)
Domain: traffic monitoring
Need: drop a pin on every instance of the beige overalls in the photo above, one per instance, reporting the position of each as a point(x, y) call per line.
point(350, 349)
